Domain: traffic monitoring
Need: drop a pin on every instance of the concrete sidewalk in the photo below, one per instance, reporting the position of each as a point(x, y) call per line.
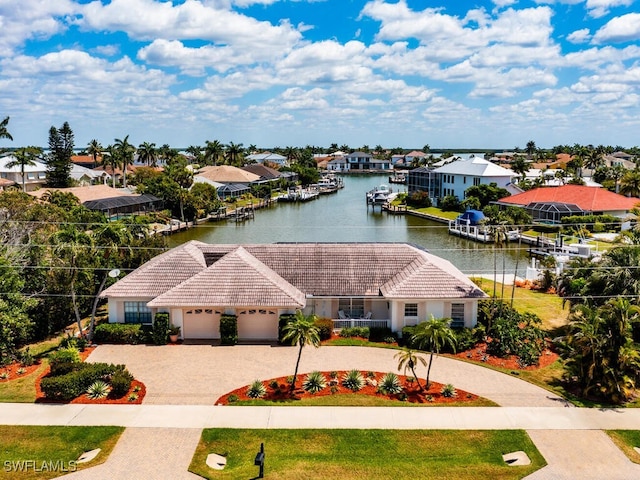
point(398, 418)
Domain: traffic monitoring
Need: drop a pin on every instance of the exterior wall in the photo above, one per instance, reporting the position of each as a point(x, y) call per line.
point(456, 184)
point(116, 308)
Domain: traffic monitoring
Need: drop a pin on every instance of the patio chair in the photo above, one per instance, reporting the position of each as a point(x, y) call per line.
point(342, 315)
point(367, 316)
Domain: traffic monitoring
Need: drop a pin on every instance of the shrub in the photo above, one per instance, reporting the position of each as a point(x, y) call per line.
point(450, 203)
point(419, 199)
point(98, 389)
point(133, 397)
point(160, 332)
point(325, 327)
point(120, 382)
point(390, 384)
point(233, 398)
point(77, 380)
point(61, 359)
point(282, 322)
point(26, 358)
point(351, 332)
point(448, 391)
point(228, 330)
point(256, 390)
point(407, 337)
point(314, 382)
point(118, 333)
point(273, 384)
point(380, 334)
point(353, 380)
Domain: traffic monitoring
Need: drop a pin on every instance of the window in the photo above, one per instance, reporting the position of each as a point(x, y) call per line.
point(411, 310)
point(476, 181)
point(457, 315)
point(137, 312)
point(464, 180)
point(31, 176)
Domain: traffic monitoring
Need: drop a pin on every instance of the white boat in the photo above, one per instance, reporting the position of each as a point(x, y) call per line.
point(379, 195)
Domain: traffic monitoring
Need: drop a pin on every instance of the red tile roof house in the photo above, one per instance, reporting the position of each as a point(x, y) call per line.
point(552, 203)
point(196, 283)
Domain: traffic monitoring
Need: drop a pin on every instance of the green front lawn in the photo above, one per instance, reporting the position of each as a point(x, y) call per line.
point(436, 212)
point(37, 453)
point(21, 390)
point(355, 400)
point(626, 440)
point(364, 454)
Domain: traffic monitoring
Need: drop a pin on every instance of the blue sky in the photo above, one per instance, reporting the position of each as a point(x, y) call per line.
point(481, 74)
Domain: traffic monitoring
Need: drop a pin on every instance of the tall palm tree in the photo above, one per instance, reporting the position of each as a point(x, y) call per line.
point(126, 152)
point(530, 148)
point(4, 133)
point(111, 158)
point(195, 151)
point(234, 153)
point(432, 335)
point(213, 152)
point(148, 154)
point(24, 157)
point(95, 150)
point(630, 183)
point(301, 331)
point(408, 359)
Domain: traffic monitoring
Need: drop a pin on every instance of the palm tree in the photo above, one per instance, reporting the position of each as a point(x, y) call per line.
point(408, 360)
point(95, 150)
point(301, 331)
point(126, 152)
point(4, 133)
point(630, 184)
point(213, 152)
point(24, 157)
point(433, 335)
point(520, 166)
point(530, 148)
point(234, 153)
point(195, 151)
point(111, 158)
point(148, 154)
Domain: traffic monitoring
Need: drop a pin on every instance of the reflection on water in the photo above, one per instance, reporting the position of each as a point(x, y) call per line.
point(345, 217)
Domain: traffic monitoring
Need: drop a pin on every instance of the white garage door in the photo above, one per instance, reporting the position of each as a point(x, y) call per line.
point(258, 325)
point(201, 323)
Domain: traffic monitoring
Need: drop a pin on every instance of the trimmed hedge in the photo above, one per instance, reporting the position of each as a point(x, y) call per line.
point(325, 327)
point(74, 383)
point(160, 332)
point(349, 332)
point(380, 334)
point(228, 330)
point(119, 333)
point(282, 322)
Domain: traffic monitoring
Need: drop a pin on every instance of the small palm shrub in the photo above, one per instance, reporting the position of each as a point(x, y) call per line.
point(314, 382)
point(390, 384)
point(4, 376)
point(26, 358)
point(448, 391)
point(256, 390)
point(353, 380)
point(98, 389)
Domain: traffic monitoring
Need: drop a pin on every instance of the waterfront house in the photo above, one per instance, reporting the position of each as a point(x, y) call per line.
point(424, 179)
point(35, 176)
point(363, 284)
point(267, 157)
point(361, 161)
point(229, 181)
point(550, 204)
point(338, 164)
point(455, 177)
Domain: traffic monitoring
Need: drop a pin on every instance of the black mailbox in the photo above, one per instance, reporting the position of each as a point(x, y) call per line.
point(259, 461)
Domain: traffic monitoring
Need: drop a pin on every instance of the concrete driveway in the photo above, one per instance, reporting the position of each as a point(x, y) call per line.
point(200, 374)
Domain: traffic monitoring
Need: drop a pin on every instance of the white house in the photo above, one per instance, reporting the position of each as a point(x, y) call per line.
point(377, 284)
point(35, 176)
point(267, 157)
point(455, 177)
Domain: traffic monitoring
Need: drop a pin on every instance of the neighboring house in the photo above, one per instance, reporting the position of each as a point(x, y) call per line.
point(393, 284)
point(5, 183)
point(424, 179)
point(364, 161)
point(229, 181)
point(455, 177)
point(87, 176)
point(554, 177)
point(35, 176)
point(267, 157)
point(550, 204)
point(618, 160)
point(339, 164)
point(266, 174)
point(113, 202)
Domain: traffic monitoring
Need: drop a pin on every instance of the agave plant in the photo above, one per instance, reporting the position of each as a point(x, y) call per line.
point(256, 390)
point(448, 391)
point(98, 389)
point(314, 382)
point(353, 380)
point(390, 384)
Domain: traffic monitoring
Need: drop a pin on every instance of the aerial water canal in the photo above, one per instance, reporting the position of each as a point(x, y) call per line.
point(345, 217)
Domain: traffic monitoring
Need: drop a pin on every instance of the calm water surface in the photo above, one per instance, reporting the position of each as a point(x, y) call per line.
point(345, 217)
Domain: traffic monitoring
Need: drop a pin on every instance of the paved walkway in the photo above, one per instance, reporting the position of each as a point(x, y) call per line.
point(184, 381)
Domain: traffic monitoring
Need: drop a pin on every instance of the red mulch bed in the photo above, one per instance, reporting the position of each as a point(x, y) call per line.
point(413, 393)
point(83, 399)
point(13, 368)
point(479, 354)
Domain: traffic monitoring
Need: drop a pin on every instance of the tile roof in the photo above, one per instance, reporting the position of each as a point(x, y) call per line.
point(589, 199)
point(236, 280)
point(228, 174)
point(88, 193)
point(317, 269)
point(262, 171)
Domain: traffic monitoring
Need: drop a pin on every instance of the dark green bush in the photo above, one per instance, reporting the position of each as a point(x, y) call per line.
point(120, 382)
point(419, 199)
point(380, 334)
point(228, 330)
point(407, 335)
point(325, 327)
point(350, 332)
point(118, 333)
point(282, 322)
point(594, 223)
point(63, 357)
point(450, 203)
point(74, 383)
point(160, 332)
